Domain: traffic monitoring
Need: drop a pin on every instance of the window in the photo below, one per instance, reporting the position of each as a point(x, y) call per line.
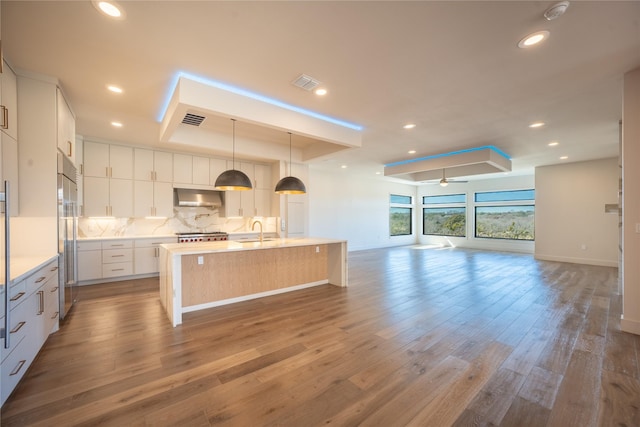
point(445, 215)
point(505, 215)
point(400, 214)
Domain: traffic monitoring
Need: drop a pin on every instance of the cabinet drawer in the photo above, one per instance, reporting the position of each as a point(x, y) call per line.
point(40, 277)
point(117, 269)
point(117, 244)
point(15, 366)
point(21, 319)
point(152, 243)
point(117, 255)
point(17, 293)
point(89, 246)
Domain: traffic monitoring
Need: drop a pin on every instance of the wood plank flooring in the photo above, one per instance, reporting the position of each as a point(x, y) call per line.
point(421, 337)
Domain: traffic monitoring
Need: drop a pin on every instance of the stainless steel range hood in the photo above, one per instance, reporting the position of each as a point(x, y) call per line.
point(189, 197)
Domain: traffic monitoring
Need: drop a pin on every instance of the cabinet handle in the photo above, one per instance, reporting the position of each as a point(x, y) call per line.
point(117, 245)
point(40, 279)
point(81, 168)
point(69, 145)
point(17, 368)
point(17, 328)
point(117, 269)
point(54, 269)
point(106, 171)
point(54, 289)
point(41, 297)
point(5, 117)
point(55, 315)
point(17, 296)
point(116, 256)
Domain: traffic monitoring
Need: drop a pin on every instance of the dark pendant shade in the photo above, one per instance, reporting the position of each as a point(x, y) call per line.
point(290, 185)
point(234, 180)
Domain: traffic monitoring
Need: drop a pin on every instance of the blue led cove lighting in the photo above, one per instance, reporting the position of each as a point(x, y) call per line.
point(453, 153)
point(248, 94)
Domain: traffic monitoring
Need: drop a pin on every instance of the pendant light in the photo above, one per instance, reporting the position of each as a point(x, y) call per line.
point(290, 184)
point(233, 179)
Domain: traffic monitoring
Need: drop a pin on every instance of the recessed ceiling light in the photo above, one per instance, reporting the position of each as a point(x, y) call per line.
point(536, 125)
point(321, 92)
point(114, 89)
point(409, 126)
point(412, 151)
point(564, 157)
point(109, 8)
point(343, 166)
point(553, 143)
point(378, 173)
point(533, 39)
point(116, 124)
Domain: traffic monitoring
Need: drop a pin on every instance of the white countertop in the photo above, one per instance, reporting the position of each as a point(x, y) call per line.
point(22, 266)
point(164, 236)
point(240, 245)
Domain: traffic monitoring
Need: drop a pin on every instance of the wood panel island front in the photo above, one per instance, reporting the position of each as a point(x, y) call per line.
point(195, 276)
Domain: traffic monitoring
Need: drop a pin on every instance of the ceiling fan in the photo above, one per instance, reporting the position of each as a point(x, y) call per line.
point(444, 181)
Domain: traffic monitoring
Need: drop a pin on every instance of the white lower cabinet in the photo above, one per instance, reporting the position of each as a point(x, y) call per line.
point(89, 260)
point(104, 260)
point(146, 254)
point(33, 316)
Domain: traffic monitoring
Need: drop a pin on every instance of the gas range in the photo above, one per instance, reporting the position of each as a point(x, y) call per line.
point(212, 236)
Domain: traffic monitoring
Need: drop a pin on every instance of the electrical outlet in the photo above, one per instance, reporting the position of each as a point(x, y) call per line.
point(200, 260)
point(317, 249)
point(283, 225)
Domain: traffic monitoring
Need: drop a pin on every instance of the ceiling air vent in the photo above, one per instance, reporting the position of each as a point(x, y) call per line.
point(305, 82)
point(193, 119)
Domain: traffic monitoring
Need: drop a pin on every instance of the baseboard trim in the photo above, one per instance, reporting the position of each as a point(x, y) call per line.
point(631, 326)
point(587, 261)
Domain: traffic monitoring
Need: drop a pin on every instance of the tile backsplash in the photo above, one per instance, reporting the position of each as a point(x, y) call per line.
point(183, 220)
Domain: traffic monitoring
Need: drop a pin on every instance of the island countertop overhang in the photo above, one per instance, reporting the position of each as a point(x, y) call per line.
point(194, 248)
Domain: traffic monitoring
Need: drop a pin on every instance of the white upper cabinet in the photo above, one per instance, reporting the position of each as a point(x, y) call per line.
point(109, 161)
point(152, 165)
point(216, 167)
point(9, 102)
point(182, 168)
point(200, 170)
point(66, 128)
point(152, 199)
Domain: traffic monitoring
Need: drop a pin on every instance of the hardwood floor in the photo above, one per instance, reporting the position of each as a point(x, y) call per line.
point(421, 337)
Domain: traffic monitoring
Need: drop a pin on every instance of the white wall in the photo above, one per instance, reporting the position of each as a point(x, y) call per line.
point(496, 184)
point(571, 223)
point(345, 205)
point(630, 321)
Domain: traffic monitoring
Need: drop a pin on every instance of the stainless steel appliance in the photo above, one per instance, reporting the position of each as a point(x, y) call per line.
point(4, 263)
point(202, 237)
point(67, 233)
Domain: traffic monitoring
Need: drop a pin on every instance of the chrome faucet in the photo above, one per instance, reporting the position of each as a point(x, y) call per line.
point(253, 227)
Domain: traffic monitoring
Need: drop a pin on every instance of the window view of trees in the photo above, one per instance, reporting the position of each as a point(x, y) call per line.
point(505, 222)
point(444, 221)
point(399, 221)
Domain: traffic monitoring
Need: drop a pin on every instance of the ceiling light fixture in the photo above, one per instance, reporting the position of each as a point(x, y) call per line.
point(536, 125)
point(409, 126)
point(290, 184)
point(443, 181)
point(116, 124)
point(555, 11)
point(114, 89)
point(343, 166)
point(232, 179)
point(109, 8)
point(321, 92)
point(412, 151)
point(564, 157)
point(553, 143)
point(533, 39)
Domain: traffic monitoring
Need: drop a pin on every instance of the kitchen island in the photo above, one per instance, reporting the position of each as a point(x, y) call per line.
point(195, 276)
